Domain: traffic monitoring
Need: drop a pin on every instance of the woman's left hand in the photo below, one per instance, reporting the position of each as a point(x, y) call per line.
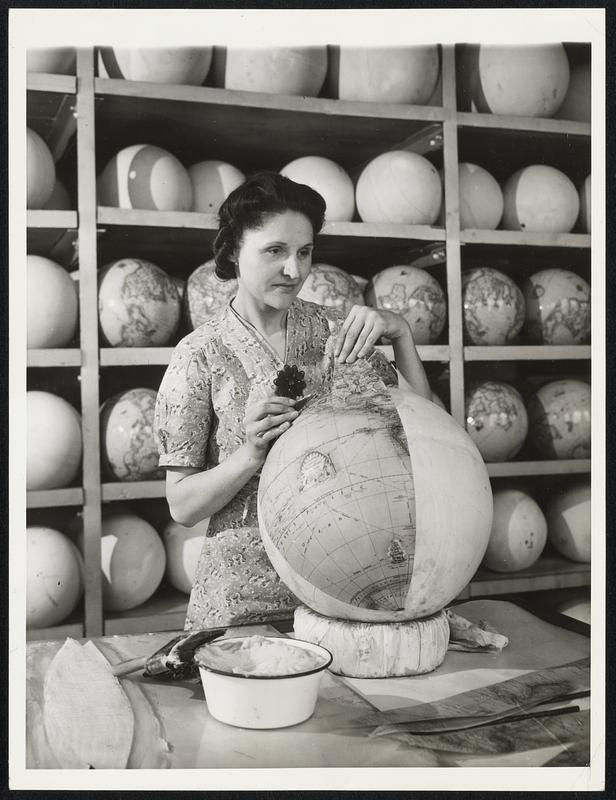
point(363, 328)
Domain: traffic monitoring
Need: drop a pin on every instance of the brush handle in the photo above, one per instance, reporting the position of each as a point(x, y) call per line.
point(126, 667)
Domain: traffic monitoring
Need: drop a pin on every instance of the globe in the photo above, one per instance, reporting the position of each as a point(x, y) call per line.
point(414, 293)
point(138, 304)
point(205, 294)
point(493, 307)
point(54, 580)
point(557, 307)
point(559, 419)
point(331, 286)
point(568, 516)
point(519, 532)
point(128, 446)
point(496, 420)
point(374, 505)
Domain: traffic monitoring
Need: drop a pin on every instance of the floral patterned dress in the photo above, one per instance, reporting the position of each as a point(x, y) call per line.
point(214, 373)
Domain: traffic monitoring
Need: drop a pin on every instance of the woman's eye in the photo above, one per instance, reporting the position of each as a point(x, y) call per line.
point(275, 251)
point(305, 253)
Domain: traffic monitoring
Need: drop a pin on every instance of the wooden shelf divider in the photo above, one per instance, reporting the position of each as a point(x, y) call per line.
point(563, 467)
point(51, 498)
point(528, 353)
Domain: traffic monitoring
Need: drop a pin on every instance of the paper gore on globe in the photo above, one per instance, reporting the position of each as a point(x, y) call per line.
point(375, 505)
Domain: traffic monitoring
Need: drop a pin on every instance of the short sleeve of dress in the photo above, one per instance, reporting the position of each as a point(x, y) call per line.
point(183, 413)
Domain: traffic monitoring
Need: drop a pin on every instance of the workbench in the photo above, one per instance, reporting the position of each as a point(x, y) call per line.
point(337, 735)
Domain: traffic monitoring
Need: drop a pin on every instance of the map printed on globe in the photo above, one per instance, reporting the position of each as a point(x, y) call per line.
point(493, 307)
point(496, 419)
point(559, 417)
point(205, 294)
point(557, 308)
point(138, 304)
point(331, 286)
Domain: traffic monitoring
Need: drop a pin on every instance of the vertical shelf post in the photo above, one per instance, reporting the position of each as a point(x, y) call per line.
point(452, 233)
point(88, 318)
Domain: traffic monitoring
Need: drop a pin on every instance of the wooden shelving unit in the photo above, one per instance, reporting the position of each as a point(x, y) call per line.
point(86, 119)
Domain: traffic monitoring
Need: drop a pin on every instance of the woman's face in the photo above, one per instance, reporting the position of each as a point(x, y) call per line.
point(273, 261)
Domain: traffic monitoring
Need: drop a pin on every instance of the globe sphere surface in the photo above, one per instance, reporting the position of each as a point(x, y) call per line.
point(528, 81)
point(414, 293)
point(274, 70)
point(52, 60)
point(540, 199)
point(212, 182)
point(331, 286)
point(493, 307)
point(519, 532)
point(481, 198)
point(59, 199)
point(52, 304)
point(206, 294)
point(557, 308)
point(585, 205)
point(183, 548)
point(578, 100)
point(496, 420)
point(559, 419)
point(568, 516)
point(132, 561)
point(355, 526)
point(138, 304)
point(399, 187)
point(54, 444)
point(384, 74)
point(41, 171)
point(177, 65)
point(144, 176)
point(328, 179)
point(129, 449)
point(54, 582)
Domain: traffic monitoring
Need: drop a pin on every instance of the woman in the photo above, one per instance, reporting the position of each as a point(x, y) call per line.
point(217, 414)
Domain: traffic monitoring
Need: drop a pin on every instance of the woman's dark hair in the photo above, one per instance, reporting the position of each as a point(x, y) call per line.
point(244, 209)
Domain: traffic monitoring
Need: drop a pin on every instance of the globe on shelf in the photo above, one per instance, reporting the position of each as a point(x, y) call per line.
point(177, 65)
point(212, 182)
point(274, 70)
point(384, 74)
point(51, 60)
point(493, 307)
point(568, 516)
point(54, 444)
point(481, 198)
point(41, 171)
point(355, 526)
point(183, 548)
point(206, 294)
point(54, 577)
point(129, 449)
point(540, 199)
point(414, 293)
point(132, 561)
point(528, 81)
point(59, 199)
point(52, 304)
point(138, 304)
point(559, 419)
point(400, 187)
point(578, 100)
point(519, 532)
point(330, 180)
point(333, 287)
point(496, 420)
point(147, 177)
point(585, 205)
point(557, 308)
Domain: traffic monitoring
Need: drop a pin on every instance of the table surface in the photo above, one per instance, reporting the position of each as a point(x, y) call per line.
point(332, 737)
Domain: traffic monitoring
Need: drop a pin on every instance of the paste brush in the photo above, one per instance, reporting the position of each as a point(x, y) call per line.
point(173, 660)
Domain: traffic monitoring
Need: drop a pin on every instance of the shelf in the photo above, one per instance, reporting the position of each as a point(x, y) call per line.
point(515, 468)
point(52, 234)
point(49, 498)
point(132, 490)
point(54, 357)
point(509, 122)
point(58, 632)
point(525, 239)
point(165, 611)
point(50, 109)
point(216, 123)
point(528, 353)
point(549, 572)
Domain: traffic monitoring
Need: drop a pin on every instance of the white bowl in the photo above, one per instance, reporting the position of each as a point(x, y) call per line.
point(260, 701)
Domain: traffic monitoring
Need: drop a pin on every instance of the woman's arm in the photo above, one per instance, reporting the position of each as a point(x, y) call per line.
point(195, 494)
point(363, 328)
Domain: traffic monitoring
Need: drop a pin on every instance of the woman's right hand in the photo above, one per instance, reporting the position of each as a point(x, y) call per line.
point(265, 420)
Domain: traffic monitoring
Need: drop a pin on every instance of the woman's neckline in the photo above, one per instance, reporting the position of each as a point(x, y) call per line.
point(261, 337)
